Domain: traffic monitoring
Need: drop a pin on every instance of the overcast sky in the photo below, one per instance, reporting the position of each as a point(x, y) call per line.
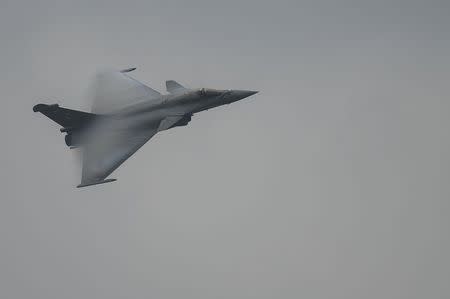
point(332, 182)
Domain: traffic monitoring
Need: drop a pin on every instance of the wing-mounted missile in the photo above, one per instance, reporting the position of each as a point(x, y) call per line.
point(128, 70)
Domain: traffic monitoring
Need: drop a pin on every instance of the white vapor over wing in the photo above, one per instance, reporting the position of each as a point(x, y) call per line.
point(113, 90)
point(111, 139)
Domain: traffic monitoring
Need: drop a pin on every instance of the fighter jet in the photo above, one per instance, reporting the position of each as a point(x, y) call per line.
point(125, 115)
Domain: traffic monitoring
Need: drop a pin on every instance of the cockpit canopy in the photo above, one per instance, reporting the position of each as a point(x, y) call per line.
point(208, 92)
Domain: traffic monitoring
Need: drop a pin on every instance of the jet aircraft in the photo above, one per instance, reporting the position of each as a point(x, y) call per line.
point(126, 114)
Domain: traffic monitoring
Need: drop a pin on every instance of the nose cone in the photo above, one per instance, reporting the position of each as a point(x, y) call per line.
point(242, 94)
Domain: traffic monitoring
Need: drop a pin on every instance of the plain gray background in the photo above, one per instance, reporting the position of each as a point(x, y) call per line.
point(332, 182)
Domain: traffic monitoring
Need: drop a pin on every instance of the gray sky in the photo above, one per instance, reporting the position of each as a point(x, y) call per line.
point(332, 182)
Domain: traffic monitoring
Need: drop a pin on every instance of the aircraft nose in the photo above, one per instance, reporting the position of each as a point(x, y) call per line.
point(241, 94)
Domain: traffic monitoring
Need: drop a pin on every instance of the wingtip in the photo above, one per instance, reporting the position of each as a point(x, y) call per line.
point(43, 107)
point(38, 107)
point(96, 183)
